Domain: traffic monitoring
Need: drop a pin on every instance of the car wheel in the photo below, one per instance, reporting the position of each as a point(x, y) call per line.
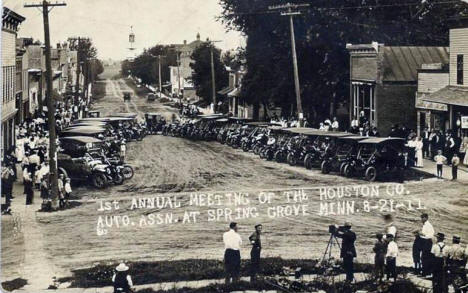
point(347, 171)
point(63, 171)
point(342, 166)
point(269, 155)
point(118, 179)
point(127, 172)
point(292, 161)
point(308, 162)
point(99, 180)
point(371, 174)
point(325, 167)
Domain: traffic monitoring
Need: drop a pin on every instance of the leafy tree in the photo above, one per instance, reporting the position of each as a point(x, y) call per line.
point(322, 32)
point(201, 75)
point(146, 65)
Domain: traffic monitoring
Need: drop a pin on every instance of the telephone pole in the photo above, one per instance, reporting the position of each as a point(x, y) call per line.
point(213, 78)
point(53, 180)
point(291, 10)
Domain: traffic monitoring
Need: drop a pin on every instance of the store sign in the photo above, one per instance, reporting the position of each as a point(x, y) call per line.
point(430, 105)
point(464, 122)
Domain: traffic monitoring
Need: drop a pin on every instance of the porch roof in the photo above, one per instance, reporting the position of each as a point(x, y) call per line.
point(449, 95)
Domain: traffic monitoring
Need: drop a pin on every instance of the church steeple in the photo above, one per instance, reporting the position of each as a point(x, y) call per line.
point(198, 36)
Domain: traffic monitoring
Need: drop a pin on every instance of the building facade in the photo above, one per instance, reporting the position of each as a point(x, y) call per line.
point(452, 94)
point(384, 82)
point(10, 25)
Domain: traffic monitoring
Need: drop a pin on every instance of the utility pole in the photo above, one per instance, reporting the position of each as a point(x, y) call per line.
point(178, 76)
point(53, 179)
point(159, 72)
point(287, 10)
point(213, 78)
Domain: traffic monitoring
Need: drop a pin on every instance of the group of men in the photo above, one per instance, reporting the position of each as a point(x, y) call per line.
point(433, 259)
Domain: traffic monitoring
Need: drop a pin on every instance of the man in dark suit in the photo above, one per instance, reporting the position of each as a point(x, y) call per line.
point(348, 250)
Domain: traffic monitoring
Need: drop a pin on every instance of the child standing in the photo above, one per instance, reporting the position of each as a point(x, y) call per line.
point(68, 190)
point(455, 163)
point(380, 250)
point(439, 159)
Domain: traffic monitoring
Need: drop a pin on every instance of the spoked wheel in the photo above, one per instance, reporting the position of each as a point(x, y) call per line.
point(371, 174)
point(127, 172)
point(342, 167)
point(347, 171)
point(325, 167)
point(292, 160)
point(118, 179)
point(308, 162)
point(99, 180)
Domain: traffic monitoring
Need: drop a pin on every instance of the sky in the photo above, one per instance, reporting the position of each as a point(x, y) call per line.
point(108, 23)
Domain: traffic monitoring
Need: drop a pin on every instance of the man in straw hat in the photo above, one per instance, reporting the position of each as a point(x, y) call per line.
point(439, 273)
point(122, 280)
point(348, 250)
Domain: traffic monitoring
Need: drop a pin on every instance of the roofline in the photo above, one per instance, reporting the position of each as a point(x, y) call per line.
point(12, 14)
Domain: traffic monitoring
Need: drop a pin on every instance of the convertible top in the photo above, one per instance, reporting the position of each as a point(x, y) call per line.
point(84, 130)
point(83, 139)
point(354, 137)
point(304, 130)
point(126, 115)
point(376, 140)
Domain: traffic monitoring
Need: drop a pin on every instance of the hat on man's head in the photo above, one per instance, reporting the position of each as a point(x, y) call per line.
point(121, 267)
point(347, 224)
point(456, 238)
point(258, 225)
point(440, 236)
point(424, 215)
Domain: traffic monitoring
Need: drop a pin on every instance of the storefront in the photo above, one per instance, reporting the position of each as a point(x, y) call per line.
point(455, 117)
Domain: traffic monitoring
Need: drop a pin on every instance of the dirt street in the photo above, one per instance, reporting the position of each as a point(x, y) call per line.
point(176, 167)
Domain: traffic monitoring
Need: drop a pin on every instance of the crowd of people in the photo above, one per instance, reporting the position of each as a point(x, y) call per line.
point(30, 156)
point(433, 258)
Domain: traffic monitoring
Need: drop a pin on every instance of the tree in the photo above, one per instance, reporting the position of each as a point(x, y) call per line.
point(146, 65)
point(322, 32)
point(201, 75)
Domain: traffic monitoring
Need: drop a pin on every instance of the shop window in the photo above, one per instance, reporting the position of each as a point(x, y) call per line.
point(459, 69)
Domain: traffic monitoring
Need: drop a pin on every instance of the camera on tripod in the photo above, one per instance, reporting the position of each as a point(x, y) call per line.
point(333, 229)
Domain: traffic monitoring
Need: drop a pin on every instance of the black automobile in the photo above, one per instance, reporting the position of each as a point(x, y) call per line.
point(324, 146)
point(296, 150)
point(378, 156)
point(79, 170)
point(154, 122)
point(94, 114)
point(346, 151)
point(93, 131)
point(78, 146)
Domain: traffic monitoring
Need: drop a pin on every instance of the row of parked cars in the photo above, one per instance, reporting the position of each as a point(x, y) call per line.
point(343, 153)
point(90, 148)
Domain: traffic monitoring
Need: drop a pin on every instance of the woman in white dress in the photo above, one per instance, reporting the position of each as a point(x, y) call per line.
point(464, 149)
point(419, 152)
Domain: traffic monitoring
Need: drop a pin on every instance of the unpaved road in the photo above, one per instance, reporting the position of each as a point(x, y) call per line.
point(175, 167)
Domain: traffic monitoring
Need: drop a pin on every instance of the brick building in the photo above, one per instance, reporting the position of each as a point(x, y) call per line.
point(384, 82)
point(451, 95)
point(10, 25)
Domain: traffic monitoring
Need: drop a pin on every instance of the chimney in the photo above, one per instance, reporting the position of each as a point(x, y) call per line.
point(185, 42)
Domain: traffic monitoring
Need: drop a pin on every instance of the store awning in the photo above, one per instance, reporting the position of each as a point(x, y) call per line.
point(449, 95)
point(225, 91)
point(234, 93)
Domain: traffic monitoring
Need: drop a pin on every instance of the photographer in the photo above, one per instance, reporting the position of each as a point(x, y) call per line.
point(348, 250)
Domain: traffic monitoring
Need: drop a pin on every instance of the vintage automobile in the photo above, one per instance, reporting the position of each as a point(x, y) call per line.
point(93, 131)
point(346, 150)
point(378, 156)
point(94, 114)
point(79, 170)
point(323, 147)
point(127, 96)
point(78, 146)
point(151, 97)
point(277, 137)
point(298, 147)
point(154, 122)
